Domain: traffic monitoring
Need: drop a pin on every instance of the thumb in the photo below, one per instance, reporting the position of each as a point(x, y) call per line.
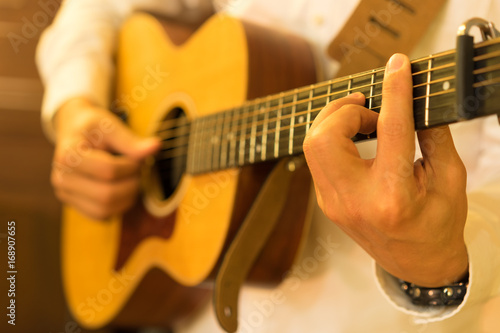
point(122, 140)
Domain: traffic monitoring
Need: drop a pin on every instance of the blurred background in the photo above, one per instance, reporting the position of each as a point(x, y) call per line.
point(25, 193)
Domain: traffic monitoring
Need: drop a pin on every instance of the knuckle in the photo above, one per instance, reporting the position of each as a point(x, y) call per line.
point(108, 172)
point(393, 209)
point(456, 174)
point(56, 178)
point(315, 142)
point(100, 213)
point(393, 127)
point(107, 195)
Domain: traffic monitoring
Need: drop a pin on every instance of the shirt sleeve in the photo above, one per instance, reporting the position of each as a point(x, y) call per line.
point(482, 238)
point(75, 54)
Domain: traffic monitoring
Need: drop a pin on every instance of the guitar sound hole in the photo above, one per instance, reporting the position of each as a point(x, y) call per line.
point(171, 161)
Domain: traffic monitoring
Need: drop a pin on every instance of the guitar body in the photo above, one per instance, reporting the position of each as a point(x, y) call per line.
point(150, 266)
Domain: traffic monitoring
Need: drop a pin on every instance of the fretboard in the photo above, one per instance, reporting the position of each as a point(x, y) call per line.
point(275, 126)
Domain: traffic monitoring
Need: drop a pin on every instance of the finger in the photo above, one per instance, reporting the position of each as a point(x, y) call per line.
point(122, 140)
point(92, 208)
point(98, 164)
point(356, 98)
point(395, 128)
point(438, 150)
point(437, 144)
point(353, 119)
point(329, 150)
point(106, 194)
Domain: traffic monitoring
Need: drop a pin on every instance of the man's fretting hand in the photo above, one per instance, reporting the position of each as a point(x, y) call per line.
point(409, 216)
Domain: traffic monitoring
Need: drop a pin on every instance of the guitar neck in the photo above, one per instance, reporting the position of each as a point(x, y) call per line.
point(275, 126)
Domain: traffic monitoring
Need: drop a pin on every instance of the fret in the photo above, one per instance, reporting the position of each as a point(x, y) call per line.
point(259, 130)
point(192, 147)
point(338, 89)
point(292, 123)
point(285, 121)
point(216, 140)
point(208, 142)
point(302, 115)
point(225, 137)
point(203, 149)
point(243, 134)
point(329, 94)
point(349, 86)
point(376, 91)
point(362, 83)
point(263, 153)
point(278, 127)
point(274, 105)
point(197, 145)
point(309, 107)
point(253, 132)
point(372, 83)
point(428, 91)
point(436, 109)
point(233, 136)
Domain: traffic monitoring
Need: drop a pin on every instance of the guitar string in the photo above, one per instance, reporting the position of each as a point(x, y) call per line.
point(185, 132)
point(184, 128)
point(182, 150)
point(257, 111)
point(184, 139)
point(480, 71)
point(365, 75)
point(291, 93)
point(297, 114)
point(268, 110)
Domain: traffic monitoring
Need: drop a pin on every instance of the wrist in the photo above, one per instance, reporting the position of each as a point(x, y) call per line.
point(429, 269)
point(77, 112)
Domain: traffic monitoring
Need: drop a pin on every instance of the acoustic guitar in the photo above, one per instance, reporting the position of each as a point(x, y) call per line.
point(225, 104)
point(192, 207)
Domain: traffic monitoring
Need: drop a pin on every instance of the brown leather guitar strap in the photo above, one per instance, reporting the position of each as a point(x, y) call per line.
point(249, 241)
point(379, 28)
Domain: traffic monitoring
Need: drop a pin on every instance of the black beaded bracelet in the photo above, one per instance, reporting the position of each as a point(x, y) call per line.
point(447, 295)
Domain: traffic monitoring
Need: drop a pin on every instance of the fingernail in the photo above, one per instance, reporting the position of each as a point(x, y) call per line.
point(357, 94)
point(150, 141)
point(395, 63)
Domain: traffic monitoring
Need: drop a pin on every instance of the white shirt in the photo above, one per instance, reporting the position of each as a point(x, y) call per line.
point(340, 293)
